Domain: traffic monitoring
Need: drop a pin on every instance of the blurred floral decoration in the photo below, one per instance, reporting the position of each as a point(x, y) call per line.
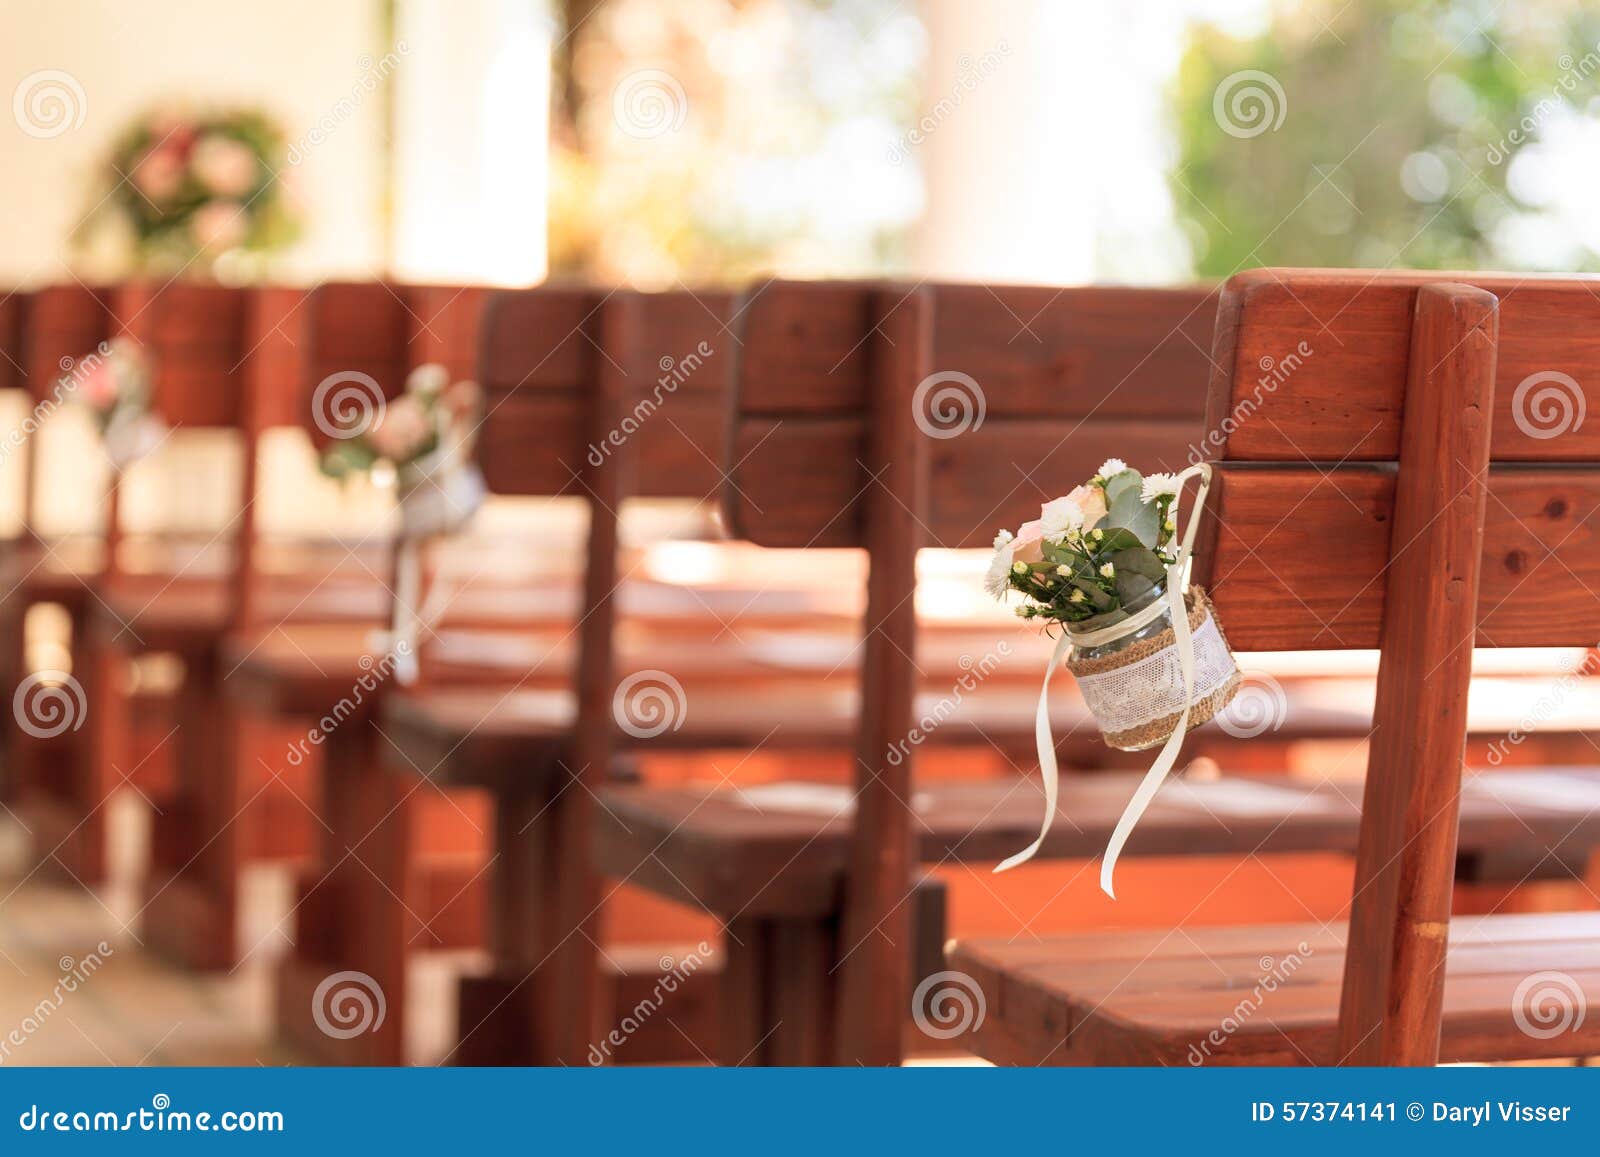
point(710, 141)
point(1431, 134)
point(196, 193)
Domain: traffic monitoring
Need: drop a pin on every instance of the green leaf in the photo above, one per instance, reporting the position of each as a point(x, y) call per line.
point(1119, 539)
point(1129, 512)
point(1131, 587)
point(1121, 482)
point(1139, 561)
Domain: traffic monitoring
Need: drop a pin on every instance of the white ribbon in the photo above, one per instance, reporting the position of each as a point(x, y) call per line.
point(1178, 610)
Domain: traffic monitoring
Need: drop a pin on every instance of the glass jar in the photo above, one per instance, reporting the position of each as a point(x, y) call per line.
point(1149, 631)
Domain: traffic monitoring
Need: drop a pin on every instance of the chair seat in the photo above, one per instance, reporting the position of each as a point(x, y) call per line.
point(1515, 988)
point(762, 851)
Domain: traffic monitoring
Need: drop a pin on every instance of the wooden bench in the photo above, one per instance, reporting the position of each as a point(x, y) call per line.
point(230, 809)
point(1358, 506)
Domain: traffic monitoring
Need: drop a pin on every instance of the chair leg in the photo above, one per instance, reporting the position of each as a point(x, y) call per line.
point(341, 991)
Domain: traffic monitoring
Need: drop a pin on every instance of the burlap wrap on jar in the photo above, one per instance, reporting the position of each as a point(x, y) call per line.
point(1136, 694)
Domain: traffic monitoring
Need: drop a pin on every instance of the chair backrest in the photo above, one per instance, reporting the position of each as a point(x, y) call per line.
point(13, 326)
point(893, 417)
point(541, 356)
point(1357, 506)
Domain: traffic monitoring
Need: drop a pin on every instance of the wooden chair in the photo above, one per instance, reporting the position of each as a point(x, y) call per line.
point(1401, 491)
point(232, 808)
point(802, 409)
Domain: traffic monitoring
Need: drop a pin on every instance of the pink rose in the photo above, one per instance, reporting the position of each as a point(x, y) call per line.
point(1028, 546)
point(224, 165)
point(219, 225)
point(402, 430)
point(159, 173)
point(1092, 501)
point(99, 385)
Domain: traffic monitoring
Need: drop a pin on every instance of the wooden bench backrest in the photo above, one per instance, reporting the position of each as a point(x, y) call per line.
point(1064, 378)
point(1320, 434)
point(63, 323)
point(841, 438)
point(13, 328)
point(1421, 482)
point(383, 331)
point(540, 362)
point(196, 339)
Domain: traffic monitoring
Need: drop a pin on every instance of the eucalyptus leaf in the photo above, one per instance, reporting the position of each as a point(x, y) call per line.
point(1096, 596)
point(1119, 539)
point(1131, 587)
point(1139, 561)
point(1121, 482)
point(1129, 512)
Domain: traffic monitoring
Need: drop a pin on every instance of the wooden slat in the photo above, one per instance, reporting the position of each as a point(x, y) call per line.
point(65, 323)
point(194, 335)
point(13, 328)
point(1060, 374)
point(1298, 556)
point(1341, 400)
point(539, 356)
point(1405, 862)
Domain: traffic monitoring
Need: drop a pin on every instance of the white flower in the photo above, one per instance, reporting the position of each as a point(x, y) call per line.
point(1003, 539)
point(1059, 517)
point(1019, 568)
point(1077, 596)
point(1111, 467)
point(1064, 571)
point(1171, 525)
point(1108, 570)
point(1158, 485)
point(994, 581)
